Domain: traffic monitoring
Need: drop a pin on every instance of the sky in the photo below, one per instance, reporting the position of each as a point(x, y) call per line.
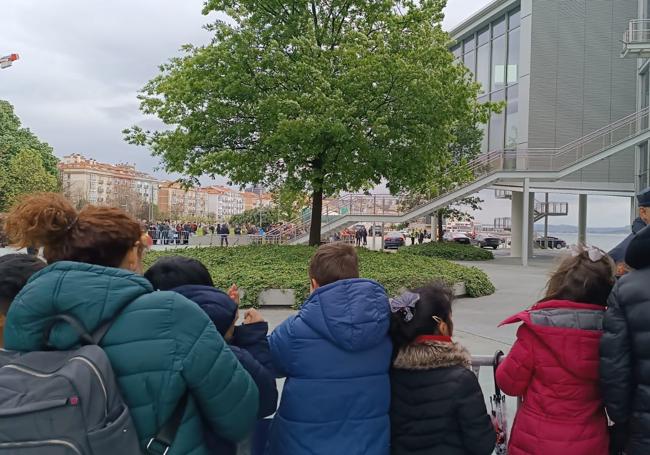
point(82, 63)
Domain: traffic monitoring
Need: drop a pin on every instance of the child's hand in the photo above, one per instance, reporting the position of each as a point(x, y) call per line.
point(233, 293)
point(252, 316)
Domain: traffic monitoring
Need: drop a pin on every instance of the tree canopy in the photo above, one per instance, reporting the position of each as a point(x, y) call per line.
point(321, 96)
point(25, 173)
point(26, 163)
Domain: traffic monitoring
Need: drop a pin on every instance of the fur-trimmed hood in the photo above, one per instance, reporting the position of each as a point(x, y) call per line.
point(432, 354)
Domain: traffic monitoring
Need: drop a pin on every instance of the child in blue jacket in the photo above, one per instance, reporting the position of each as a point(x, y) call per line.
point(248, 341)
point(336, 355)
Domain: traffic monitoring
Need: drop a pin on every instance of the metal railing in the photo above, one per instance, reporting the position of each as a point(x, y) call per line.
point(638, 32)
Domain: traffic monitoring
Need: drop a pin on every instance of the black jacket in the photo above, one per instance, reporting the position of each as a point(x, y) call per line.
point(437, 406)
point(625, 348)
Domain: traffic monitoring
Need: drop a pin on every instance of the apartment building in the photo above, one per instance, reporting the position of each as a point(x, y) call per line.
point(86, 181)
point(224, 202)
point(176, 201)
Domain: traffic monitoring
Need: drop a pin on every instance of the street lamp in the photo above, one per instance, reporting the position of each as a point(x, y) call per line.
point(8, 60)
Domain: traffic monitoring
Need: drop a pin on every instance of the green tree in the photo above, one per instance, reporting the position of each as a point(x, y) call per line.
point(317, 96)
point(14, 139)
point(289, 202)
point(266, 215)
point(25, 173)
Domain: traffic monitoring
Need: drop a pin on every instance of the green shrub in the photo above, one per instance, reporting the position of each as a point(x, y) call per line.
point(450, 251)
point(257, 268)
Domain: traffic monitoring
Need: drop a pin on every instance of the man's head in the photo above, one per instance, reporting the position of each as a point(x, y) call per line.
point(333, 262)
point(15, 271)
point(643, 198)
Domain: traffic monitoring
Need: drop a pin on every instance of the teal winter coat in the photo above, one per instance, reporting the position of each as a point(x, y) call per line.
point(160, 346)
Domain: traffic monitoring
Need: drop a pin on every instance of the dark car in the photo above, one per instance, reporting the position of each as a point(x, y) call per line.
point(457, 237)
point(487, 241)
point(393, 240)
point(550, 242)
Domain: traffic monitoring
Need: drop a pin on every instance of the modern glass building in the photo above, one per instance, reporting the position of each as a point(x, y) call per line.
point(570, 123)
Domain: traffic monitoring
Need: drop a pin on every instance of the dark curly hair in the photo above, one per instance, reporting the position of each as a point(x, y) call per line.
point(15, 271)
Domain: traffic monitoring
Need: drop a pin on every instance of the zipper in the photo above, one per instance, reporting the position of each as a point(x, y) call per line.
point(99, 378)
point(91, 365)
point(45, 442)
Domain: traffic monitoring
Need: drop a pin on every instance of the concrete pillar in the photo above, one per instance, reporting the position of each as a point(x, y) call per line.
point(525, 224)
point(516, 226)
point(531, 223)
point(582, 219)
point(546, 221)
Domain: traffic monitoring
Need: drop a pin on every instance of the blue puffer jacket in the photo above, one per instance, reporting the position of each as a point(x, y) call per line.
point(249, 344)
point(336, 355)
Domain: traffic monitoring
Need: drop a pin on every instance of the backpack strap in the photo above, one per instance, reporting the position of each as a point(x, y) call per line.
point(161, 443)
point(93, 338)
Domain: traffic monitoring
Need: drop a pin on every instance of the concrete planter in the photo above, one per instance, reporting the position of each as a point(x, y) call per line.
point(287, 297)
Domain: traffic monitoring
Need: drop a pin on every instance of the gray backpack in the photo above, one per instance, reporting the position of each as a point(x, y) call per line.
point(68, 403)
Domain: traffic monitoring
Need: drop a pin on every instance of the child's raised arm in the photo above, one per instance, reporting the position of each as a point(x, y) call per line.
point(515, 372)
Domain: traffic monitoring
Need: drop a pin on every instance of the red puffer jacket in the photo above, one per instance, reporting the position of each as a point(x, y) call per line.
point(553, 366)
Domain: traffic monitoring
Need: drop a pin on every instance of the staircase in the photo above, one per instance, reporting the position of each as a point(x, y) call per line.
point(488, 169)
point(541, 209)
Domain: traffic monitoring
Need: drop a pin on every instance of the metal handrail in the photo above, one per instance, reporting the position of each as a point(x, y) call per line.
point(637, 28)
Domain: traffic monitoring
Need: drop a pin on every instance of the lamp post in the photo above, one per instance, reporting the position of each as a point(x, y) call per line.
point(8, 60)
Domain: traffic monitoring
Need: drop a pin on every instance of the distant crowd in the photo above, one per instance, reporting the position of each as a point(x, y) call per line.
point(366, 373)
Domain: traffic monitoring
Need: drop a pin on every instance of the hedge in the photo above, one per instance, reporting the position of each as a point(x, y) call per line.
point(257, 268)
point(449, 251)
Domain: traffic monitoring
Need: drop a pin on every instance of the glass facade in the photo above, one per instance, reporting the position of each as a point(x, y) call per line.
point(492, 55)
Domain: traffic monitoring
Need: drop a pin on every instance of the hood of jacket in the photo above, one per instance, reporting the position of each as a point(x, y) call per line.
point(90, 293)
point(219, 307)
point(570, 330)
point(431, 355)
point(353, 314)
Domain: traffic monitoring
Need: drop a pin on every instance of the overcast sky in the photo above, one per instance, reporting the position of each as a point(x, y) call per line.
point(83, 62)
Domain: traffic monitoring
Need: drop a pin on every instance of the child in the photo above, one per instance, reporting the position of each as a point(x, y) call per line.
point(436, 404)
point(248, 341)
point(15, 271)
point(335, 354)
point(554, 363)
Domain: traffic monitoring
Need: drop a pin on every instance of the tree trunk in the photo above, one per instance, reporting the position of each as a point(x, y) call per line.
point(316, 217)
point(439, 219)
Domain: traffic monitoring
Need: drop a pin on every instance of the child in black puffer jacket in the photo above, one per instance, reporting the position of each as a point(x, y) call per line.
point(436, 404)
point(247, 341)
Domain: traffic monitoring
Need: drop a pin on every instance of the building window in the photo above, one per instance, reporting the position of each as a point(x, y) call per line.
point(498, 63)
point(514, 39)
point(512, 117)
point(498, 28)
point(483, 67)
point(497, 124)
point(484, 36)
point(514, 19)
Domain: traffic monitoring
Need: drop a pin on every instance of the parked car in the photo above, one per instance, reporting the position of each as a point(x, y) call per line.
point(550, 242)
point(394, 240)
point(457, 237)
point(487, 241)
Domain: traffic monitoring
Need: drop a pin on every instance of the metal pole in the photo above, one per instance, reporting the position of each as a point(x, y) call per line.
point(525, 240)
point(382, 235)
point(546, 222)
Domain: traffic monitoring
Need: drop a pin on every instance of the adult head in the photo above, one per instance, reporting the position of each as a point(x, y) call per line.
point(422, 311)
point(173, 271)
point(643, 199)
point(103, 236)
point(333, 262)
point(586, 276)
point(15, 271)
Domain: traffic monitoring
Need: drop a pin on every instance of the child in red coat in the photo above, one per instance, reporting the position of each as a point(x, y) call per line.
point(553, 365)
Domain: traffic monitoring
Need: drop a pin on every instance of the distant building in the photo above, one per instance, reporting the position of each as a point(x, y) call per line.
point(176, 202)
point(86, 181)
point(224, 202)
point(255, 200)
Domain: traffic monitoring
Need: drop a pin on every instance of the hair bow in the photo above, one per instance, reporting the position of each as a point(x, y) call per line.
point(594, 254)
point(405, 303)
